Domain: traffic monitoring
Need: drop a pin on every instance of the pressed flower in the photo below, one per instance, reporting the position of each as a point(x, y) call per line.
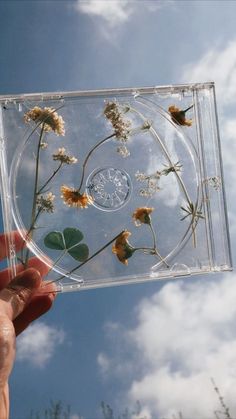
point(142, 215)
point(140, 176)
point(151, 183)
point(121, 126)
point(146, 125)
point(123, 151)
point(43, 145)
point(45, 202)
point(126, 108)
point(193, 211)
point(73, 198)
point(61, 156)
point(175, 168)
point(214, 181)
point(146, 193)
point(122, 248)
point(48, 117)
point(178, 116)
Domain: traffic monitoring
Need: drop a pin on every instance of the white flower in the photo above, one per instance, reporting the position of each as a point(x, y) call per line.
point(49, 118)
point(45, 202)
point(61, 156)
point(121, 126)
point(123, 151)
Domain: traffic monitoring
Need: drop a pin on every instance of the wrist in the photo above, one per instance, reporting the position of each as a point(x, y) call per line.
point(4, 402)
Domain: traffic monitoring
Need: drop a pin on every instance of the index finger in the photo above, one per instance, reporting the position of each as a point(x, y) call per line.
point(34, 262)
point(5, 240)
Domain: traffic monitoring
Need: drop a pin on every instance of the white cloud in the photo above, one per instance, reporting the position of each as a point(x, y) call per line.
point(230, 129)
point(38, 343)
point(219, 65)
point(228, 142)
point(232, 221)
point(228, 138)
point(113, 12)
point(154, 5)
point(103, 362)
point(184, 335)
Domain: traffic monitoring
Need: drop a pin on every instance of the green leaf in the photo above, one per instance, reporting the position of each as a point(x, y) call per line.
point(72, 236)
point(79, 252)
point(54, 240)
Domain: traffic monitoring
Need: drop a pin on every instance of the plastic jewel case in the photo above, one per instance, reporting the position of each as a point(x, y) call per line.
point(115, 186)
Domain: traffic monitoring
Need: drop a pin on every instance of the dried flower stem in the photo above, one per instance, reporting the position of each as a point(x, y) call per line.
point(167, 155)
point(153, 235)
point(31, 228)
point(50, 178)
point(179, 178)
point(226, 412)
point(187, 109)
point(155, 245)
point(29, 234)
point(152, 250)
point(195, 213)
point(33, 213)
point(57, 260)
point(89, 154)
point(193, 234)
point(34, 216)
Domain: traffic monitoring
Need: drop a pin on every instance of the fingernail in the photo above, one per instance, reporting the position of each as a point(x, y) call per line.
point(49, 290)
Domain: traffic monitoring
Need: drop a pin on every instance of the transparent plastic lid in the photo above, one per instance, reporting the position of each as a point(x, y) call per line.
point(115, 186)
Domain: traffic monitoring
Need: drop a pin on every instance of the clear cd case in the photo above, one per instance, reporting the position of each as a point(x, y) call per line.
point(115, 186)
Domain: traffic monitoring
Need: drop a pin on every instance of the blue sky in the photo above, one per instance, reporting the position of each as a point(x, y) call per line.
point(100, 344)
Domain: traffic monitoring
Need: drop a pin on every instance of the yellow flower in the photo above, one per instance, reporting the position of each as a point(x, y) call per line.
point(178, 116)
point(142, 215)
point(73, 198)
point(122, 248)
point(49, 118)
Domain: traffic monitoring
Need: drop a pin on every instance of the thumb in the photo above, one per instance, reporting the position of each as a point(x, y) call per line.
point(20, 291)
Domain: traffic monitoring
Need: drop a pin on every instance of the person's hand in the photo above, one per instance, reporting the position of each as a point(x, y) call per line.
point(20, 303)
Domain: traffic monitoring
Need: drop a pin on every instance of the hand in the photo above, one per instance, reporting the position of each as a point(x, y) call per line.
point(21, 302)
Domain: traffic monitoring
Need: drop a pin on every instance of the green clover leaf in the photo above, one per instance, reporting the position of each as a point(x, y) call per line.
point(68, 241)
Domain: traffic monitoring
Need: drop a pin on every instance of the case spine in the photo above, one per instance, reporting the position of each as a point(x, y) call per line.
point(6, 201)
